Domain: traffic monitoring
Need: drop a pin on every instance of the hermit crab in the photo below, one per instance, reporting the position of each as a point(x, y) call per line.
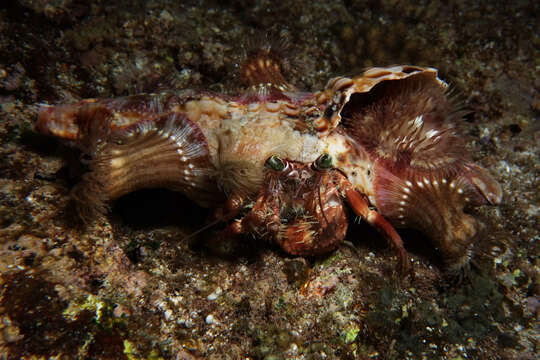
point(282, 164)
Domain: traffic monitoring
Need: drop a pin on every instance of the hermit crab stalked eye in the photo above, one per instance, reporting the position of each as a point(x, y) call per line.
point(323, 162)
point(275, 163)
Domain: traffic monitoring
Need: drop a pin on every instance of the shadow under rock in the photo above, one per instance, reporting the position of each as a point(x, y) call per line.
point(152, 208)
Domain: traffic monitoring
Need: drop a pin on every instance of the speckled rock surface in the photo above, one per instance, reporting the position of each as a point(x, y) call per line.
point(131, 286)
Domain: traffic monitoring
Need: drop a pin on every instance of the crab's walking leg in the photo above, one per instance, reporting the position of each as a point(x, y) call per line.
point(263, 218)
point(235, 202)
point(361, 207)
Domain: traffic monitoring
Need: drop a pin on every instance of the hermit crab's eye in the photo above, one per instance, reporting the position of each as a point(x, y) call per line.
point(323, 162)
point(275, 163)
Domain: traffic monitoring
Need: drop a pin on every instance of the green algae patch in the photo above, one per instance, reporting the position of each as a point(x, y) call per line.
point(351, 334)
point(102, 310)
point(131, 352)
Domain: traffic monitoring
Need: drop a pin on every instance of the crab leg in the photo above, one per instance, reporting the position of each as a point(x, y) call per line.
point(361, 207)
point(264, 212)
point(232, 207)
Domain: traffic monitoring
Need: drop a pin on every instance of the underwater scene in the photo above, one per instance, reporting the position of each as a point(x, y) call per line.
point(254, 179)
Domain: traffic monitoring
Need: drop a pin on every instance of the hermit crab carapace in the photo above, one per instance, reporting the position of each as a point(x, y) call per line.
point(279, 163)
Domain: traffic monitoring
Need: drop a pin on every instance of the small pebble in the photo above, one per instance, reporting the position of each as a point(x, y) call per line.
point(214, 295)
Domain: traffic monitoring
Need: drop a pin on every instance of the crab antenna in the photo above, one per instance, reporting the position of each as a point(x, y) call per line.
point(321, 205)
point(205, 227)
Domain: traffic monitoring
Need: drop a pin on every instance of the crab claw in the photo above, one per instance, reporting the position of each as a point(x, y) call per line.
point(360, 206)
